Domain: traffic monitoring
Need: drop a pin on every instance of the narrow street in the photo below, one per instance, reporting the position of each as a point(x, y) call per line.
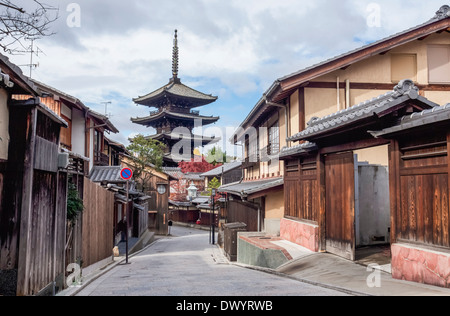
point(187, 265)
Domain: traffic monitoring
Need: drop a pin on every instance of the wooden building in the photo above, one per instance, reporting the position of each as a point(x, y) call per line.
point(33, 191)
point(317, 116)
point(225, 174)
point(320, 173)
point(148, 209)
point(418, 53)
point(175, 118)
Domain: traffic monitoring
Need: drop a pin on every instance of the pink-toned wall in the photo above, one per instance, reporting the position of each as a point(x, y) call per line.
point(420, 265)
point(303, 234)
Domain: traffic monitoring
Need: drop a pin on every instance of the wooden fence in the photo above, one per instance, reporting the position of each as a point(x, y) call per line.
point(244, 213)
point(98, 223)
point(74, 232)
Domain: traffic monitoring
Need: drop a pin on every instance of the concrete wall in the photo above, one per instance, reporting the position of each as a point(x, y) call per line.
point(415, 264)
point(375, 155)
point(372, 208)
point(4, 125)
point(254, 252)
point(300, 233)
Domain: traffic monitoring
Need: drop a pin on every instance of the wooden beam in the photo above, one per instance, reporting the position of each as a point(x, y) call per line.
point(264, 192)
point(301, 109)
point(362, 144)
point(375, 86)
point(446, 222)
point(322, 202)
point(424, 37)
point(394, 186)
point(26, 211)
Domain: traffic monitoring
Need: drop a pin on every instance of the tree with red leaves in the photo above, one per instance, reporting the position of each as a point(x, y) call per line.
point(178, 190)
point(195, 166)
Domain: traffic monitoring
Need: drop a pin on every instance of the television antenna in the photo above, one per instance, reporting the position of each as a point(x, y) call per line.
point(32, 50)
point(106, 108)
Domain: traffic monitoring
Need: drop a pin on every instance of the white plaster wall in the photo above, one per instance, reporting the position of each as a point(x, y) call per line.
point(78, 132)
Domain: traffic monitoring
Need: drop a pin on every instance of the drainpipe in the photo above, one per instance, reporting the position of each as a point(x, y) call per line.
point(286, 116)
point(86, 138)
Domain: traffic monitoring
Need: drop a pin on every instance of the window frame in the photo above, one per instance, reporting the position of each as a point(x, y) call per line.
point(429, 47)
point(414, 55)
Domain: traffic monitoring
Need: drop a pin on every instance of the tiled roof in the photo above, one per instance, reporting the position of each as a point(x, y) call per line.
point(106, 174)
point(193, 176)
point(298, 149)
point(405, 90)
point(104, 119)
point(201, 200)
point(427, 117)
point(14, 73)
point(176, 115)
point(176, 89)
point(250, 187)
point(223, 169)
point(173, 172)
point(176, 137)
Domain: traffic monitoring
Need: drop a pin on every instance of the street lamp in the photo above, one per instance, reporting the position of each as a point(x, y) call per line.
point(192, 192)
point(161, 188)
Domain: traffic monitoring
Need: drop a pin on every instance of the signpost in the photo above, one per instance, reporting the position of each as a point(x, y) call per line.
point(213, 217)
point(126, 174)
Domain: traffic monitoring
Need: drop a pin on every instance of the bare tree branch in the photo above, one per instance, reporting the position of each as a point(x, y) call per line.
point(11, 6)
point(18, 25)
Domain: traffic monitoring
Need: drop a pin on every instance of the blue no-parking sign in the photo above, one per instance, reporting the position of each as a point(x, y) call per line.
point(126, 174)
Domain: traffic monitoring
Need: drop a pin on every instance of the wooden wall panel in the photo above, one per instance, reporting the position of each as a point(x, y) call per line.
point(421, 203)
point(340, 204)
point(424, 215)
point(239, 212)
point(97, 226)
point(46, 254)
point(301, 188)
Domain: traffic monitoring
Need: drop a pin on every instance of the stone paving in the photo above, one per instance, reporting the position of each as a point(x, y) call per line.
point(188, 265)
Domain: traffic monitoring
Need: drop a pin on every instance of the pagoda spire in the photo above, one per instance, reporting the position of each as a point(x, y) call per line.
point(175, 58)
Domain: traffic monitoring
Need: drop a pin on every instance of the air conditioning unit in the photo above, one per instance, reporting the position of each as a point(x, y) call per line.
point(63, 161)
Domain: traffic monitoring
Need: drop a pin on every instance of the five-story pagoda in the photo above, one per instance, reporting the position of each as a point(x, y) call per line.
point(174, 105)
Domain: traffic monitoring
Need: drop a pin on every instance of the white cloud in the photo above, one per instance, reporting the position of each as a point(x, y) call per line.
point(234, 49)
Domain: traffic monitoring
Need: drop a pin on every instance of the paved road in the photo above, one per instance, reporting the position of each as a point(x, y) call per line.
point(187, 265)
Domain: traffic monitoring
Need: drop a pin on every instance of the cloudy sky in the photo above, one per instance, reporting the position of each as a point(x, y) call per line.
point(115, 50)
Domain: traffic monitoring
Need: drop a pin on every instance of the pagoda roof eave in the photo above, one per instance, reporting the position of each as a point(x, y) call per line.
point(175, 90)
point(180, 116)
point(176, 138)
